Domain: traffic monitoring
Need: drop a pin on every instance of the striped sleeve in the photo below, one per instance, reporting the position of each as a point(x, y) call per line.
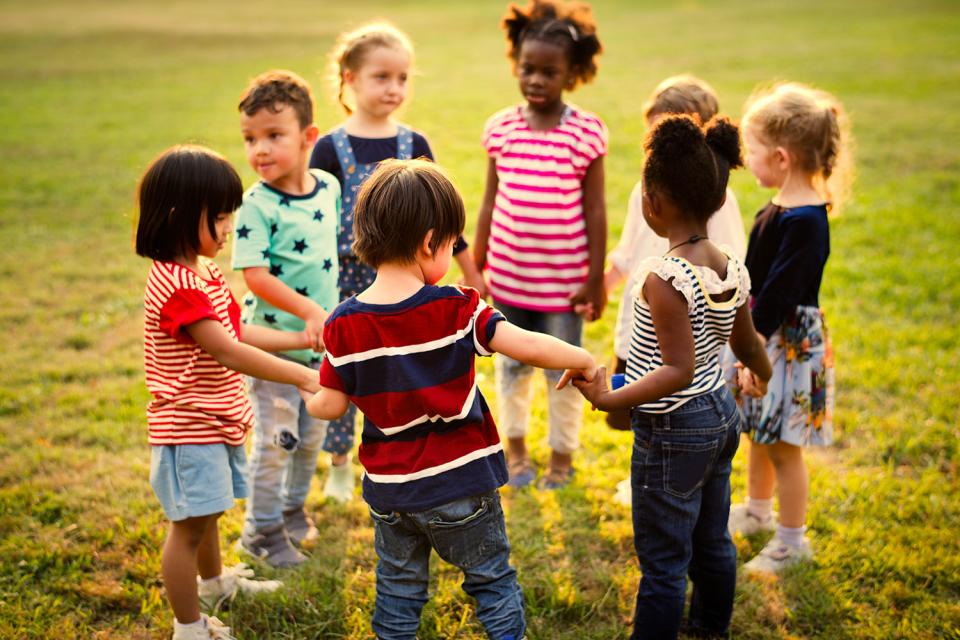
point(329, 377)
point(494, 131)
point(484, 327)
point(591, 140)
point(183, 308)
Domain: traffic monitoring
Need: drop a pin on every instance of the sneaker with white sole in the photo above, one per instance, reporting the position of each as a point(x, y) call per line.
point(300, 527)
point(272, 545)
point(340, 482)
point(232, 580)
point(743, 521)
point(212, 629)
point(778, 555)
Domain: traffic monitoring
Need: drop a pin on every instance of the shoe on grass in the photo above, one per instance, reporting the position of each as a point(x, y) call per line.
point(743, 521)
point(522, 473)
point(300, 527)
point(232, 580)
point(340, 482)
point(624, 494)
point(272, 545)
point(212, 629)
point(778, 555)
point(556, 478)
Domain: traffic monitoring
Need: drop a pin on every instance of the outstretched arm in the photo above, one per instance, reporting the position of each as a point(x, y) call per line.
point(214, 339)
point(668, 309)
point(269, 287)
point(327, 404)
point(542, 350)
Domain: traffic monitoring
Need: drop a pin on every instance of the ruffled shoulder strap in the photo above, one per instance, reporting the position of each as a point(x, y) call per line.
point(667, 269)
point(742, 274)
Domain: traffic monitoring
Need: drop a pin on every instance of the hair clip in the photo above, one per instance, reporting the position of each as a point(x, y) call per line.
point(573, 32)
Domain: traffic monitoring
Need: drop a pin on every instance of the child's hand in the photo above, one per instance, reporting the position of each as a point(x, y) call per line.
point(584, 310)
point(308, 392)
point(592, 295)
point(572, 375)
point(314, 328)
point(594, 389)
point(750, 384)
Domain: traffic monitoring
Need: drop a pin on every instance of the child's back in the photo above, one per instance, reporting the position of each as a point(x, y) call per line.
point(428, 436)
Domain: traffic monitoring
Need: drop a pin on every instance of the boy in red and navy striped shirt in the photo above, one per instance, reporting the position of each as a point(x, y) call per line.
point(403, 351)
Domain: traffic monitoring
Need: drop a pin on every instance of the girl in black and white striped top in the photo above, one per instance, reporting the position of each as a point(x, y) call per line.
point(687, 305)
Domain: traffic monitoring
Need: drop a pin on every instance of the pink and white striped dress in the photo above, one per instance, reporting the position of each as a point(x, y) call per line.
point(537, 253)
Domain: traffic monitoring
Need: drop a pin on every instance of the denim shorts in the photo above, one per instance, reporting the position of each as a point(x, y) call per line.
point(193, 480)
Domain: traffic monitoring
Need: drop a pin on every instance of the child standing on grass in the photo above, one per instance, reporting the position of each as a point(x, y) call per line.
point(541, 230)
point(286, 247)
point(797, 143)
point(403, 351)
point(373, 65)
point(194, 354)
point(675, 95)
point(686, 305)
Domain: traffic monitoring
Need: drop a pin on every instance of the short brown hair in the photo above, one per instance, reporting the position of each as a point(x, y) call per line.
point(276, 89)
point(682, 94)
point(398, 205)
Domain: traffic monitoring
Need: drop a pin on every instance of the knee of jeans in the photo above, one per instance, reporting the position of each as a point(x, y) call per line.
point(312, 434)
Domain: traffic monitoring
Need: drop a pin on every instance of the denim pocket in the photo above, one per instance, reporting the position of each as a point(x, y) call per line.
point(467, 532)
point(391, 518)
point(685, 466)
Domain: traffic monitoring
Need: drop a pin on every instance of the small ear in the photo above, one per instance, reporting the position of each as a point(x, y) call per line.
point(651, 203)
point(348, 76)
point(425, 244)
point(311, 134)
point(782, 157)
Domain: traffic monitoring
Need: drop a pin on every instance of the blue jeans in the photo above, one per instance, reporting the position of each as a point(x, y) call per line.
point(680, 475)
point(469, 533)
point(280, 479)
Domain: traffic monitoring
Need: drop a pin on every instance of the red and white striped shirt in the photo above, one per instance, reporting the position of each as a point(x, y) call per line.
point(196, 400)
point(538, 253)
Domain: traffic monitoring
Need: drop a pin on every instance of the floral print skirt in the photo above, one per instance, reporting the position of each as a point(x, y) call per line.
point(798, 407)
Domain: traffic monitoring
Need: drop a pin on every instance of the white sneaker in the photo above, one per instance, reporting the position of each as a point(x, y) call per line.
point(212, 629)
point(778, 555)
point(624, 494)
point(742, 521)
point(339, 484)
point(213, 593)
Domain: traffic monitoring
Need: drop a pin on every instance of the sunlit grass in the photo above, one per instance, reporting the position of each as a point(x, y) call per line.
point(93, 90)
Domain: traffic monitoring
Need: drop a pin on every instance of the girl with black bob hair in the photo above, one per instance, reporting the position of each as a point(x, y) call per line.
point(687, 305)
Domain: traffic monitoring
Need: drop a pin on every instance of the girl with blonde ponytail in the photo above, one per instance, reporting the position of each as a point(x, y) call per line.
point(797, 142)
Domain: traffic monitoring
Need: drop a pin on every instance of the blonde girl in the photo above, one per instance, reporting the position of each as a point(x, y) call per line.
point(797, 143)
point(372, 66)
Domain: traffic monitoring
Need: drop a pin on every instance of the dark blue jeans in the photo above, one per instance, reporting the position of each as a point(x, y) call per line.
point(470, 534)
point(680, 475)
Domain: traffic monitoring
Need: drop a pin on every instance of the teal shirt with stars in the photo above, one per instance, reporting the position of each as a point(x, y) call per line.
point(296, 238)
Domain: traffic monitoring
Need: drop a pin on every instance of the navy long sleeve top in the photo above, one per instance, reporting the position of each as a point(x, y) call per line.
point(786, 256)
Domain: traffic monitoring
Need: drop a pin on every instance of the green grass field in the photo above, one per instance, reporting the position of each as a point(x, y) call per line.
point(91, 91)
